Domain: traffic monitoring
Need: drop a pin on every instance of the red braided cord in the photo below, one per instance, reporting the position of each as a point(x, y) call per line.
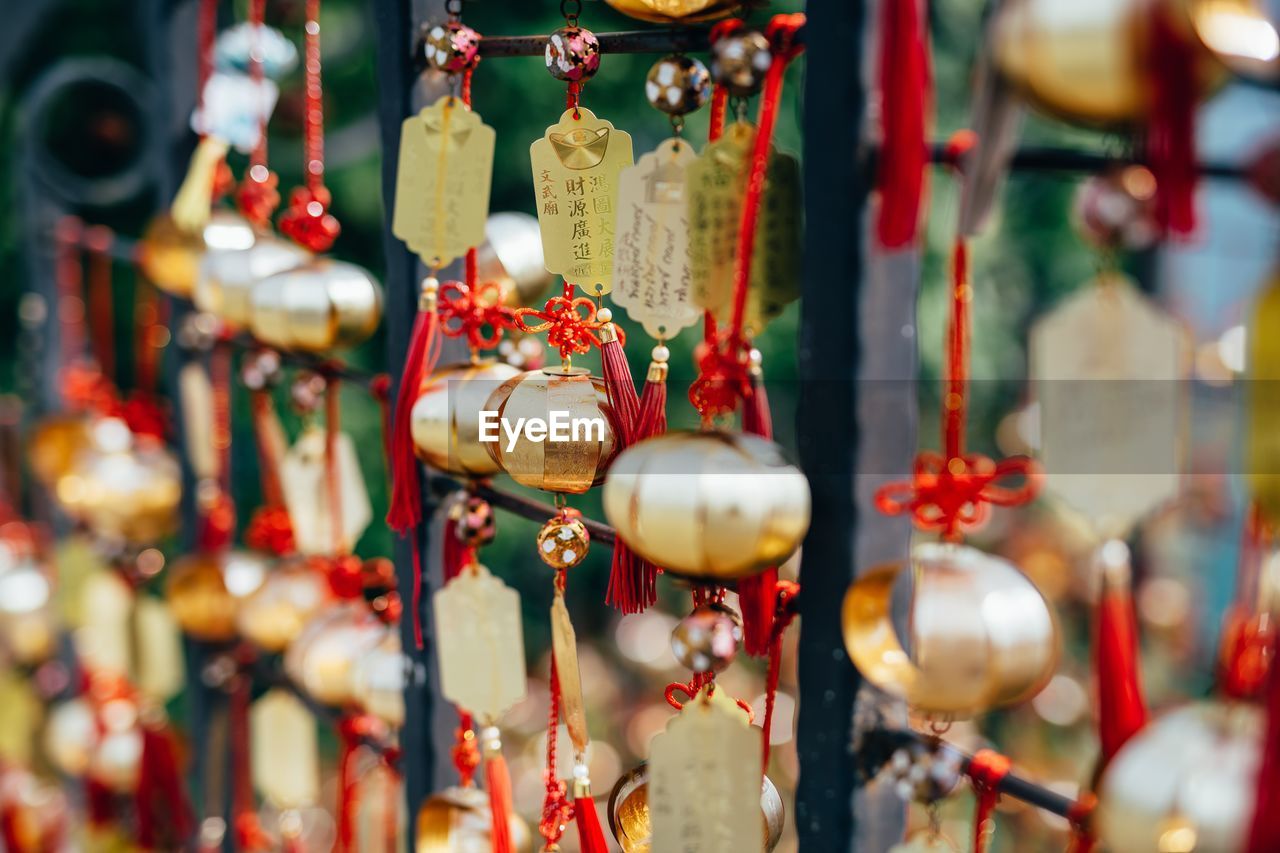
point(98, 239)
point(987, 770)
point(786, 613)
point(313, 129)
point(557, 809)
point(954, 404)
point(333, 481)
point(206, 31)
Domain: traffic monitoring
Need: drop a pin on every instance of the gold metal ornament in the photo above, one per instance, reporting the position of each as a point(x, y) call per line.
point(458, 819)
point(708, 505)
point(121, 486)
point(708, 639)
point(291, 594)
point(319, 306)
point(511, 255)
point(445, 420)
point(739, 62)
point(563, 541)
point(1240, 34)
point(198, 597)
point(577, 441)
point(54, 444)
point(170, 257)
point(629, 820)
point(70, 736)
point(1088, 66)
point(232, 267)
point(677, 11)
point(575, 177)
point(1185, 782)
point(323, 658)
point(981, 634)
point(572, 54)
point(480, 643)
point(677, 85)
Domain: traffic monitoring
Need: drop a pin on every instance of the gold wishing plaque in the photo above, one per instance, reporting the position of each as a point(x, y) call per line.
point(443, 180)
point(704, 780)
point(161, 671)
point(304, 480)
point(479, 643)
point(1107, 367)
point(564, 645)
point(651, 275)
point(716, 185)
point(284, 751)
point(576, 165)
point(20, 713)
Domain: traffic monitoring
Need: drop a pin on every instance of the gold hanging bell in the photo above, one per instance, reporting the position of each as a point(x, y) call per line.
point(981, 635)
point(445, 420)
point(318, 306)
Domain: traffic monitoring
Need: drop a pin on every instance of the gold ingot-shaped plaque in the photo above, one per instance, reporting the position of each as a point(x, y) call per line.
point(1262, 453)
point(284, 754)
point(704, 780)
point(305, 482)
point(564, 645)
point(104, 641)
point(576, 166)
point(1107, 367)
point(651, 275)
point(443, 180)
point(481, 647)
point(161, 671)
point(716, 184)
point(20, 714)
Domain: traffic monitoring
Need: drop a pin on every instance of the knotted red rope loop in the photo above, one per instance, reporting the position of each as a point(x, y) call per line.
point(557, 808)
point(987, 769)
point(692, 688)
point(465, 750)
point(955, 495)
point(570, 324)
point(475, 312)
point(271, 531)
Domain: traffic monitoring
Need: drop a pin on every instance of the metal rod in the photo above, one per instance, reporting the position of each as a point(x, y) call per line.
point(535, 510)
point(1054, 159)
point(879, 744)
point(680, 40)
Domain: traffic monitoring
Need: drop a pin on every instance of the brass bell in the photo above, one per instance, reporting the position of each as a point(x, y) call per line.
point(201, 591)
point(739, 62)
point(511, 254)
point(577, 434)
point(1185, 782)
point(322, 660)
point(236, 259)
point(319, 306)
point(170, 257)
point(708, 639)
point(708, 505)
point(54, 444)
point(290, 595)
point(122, 487)
point(981, 635)
point(572, 54)
point(1088, 66)
point(445, 420)
point(676, 11)
point(1240, 34)
point(630, 823)
point(458, 819)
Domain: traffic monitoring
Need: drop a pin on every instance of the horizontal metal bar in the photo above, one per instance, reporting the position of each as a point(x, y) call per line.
point(1052, 159)
point(675, 40)
point(535, 510)
point(879, 745)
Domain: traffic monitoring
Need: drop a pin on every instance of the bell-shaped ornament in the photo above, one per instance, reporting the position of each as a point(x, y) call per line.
point(446, 417)
point(319, 306)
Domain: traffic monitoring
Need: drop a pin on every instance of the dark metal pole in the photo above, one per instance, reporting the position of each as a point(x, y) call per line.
point(836, 192)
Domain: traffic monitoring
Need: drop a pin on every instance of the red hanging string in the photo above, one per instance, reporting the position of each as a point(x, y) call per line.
point(987, 770)
point(218, 520)
point(206, 33)
point(719, 94)
point(1264, 829)
point(350, 731)
point(785, 614)
point(1079, 816)
point(757, 594)
point(904, 85)
point(333, 475)
point(258, 196)
point(466, 752)
point(557, 809)
point(1171, 127)
point(98, 239)
point(69, 276)
point(307, 221)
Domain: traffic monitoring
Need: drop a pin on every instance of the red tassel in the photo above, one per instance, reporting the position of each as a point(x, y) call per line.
point(653, 403)
point(164, 818)
point(457, 554)
point(1121, 709)
point(349, 731)
point(987, 770)
point(497, 780)
point(904, 103)
point(590, 834)
point(632, 580)
point(1264, 830)
point(404, 513)
point(1171, 125)
point(757, 595)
